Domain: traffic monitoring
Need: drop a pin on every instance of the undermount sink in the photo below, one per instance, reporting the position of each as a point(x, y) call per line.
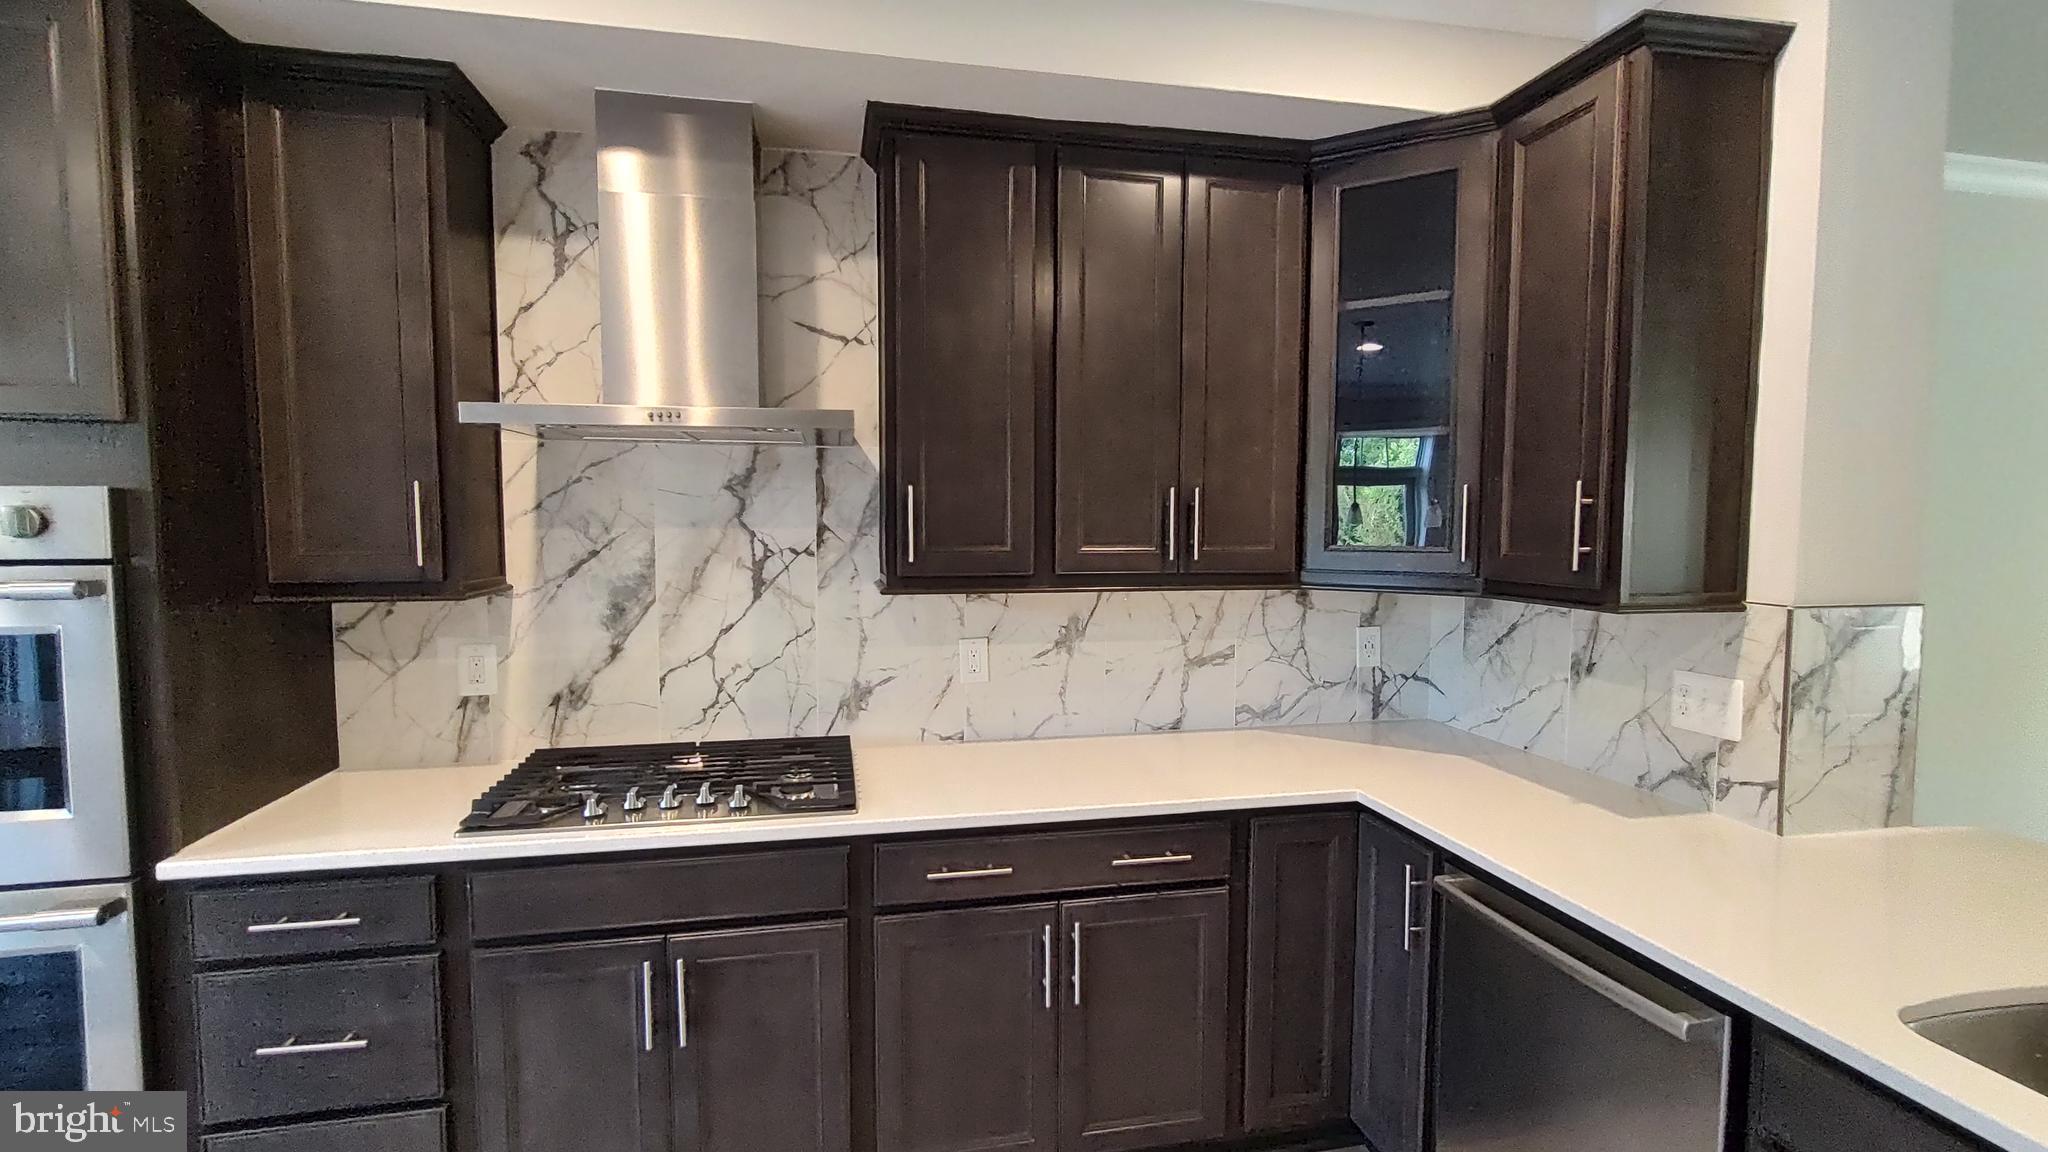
point(2010, 1038)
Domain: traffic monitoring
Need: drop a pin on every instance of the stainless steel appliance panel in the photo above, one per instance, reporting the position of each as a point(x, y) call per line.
point(1548, 1043)
point(69, 1016)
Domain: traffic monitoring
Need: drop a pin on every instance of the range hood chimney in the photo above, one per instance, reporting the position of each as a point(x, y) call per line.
point(679, 288)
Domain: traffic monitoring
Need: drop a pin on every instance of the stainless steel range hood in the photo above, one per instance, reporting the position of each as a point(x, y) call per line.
point(679, 288)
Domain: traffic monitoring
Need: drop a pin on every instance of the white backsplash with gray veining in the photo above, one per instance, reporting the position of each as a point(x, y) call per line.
point(665, 591)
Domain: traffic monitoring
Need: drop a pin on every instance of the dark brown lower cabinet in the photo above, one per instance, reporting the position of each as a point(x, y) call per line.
point(653, 1044)
point(966, 1048)
point(568, 1053)
point(760, 1039)
point(1299, 950)
point(1390, 1039)
point(1143, 1055)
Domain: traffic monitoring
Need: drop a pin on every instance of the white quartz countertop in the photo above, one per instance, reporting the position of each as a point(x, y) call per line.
point(1824, 937)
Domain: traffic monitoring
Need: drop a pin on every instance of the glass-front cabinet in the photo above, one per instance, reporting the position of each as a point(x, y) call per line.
point(1397, 352)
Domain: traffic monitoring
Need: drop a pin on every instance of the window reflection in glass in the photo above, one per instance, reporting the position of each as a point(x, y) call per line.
point(1393, 414)
point(32, 775)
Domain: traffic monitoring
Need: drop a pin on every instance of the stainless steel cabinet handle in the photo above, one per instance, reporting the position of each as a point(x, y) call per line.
point(1464, 522)
point(910, 523)
point(682, 1009)
point(1148, 861)
point(1409, 928)
point(64, 917)
point(287, 924)
point(967, 874)
point(1580, 502)
point(647, 1005)
point(1048, 966)
point(350, 1042)
point(419, 530)
point(1077, 964)
point(1195, 529)
point(1172, 520)
point(1678, 1025)
point(50, 589)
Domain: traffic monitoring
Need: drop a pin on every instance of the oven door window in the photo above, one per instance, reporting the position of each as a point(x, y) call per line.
point(34, 774)
point(42, 1021)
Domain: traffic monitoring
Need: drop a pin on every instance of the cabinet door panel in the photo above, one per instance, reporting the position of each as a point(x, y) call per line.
point(1298, 970)
point(1143, 1046)
point(57, 344)
point(968, 347)
point(1390, 1039)
point(1117, 382)
point(1241, 367)
point(571, 1049)
point(1397, 363)
point(761, 1019)
point(339, 216)
point(965, 1039)
point(1553, 408)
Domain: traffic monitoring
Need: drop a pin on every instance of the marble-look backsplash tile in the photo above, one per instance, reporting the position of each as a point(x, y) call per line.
point(667, 591)
point(1852, 715)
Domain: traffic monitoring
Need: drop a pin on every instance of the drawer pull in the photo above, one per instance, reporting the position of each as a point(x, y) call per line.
point(968, 874)
point(287, 924)
point(291, 1047)
point(1149, 861)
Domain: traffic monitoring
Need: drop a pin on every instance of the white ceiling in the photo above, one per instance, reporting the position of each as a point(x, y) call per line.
point(1571, 19)
point(810, 66)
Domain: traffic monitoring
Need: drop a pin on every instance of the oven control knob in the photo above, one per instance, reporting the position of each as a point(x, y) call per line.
point(704, 797)
point(669, 801)
point(593, 806)
point(633, 801)
point(740, 801)
point(23, 522)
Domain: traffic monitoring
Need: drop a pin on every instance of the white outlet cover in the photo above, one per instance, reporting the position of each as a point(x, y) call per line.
point(476, 669)
point(1709, 705)
point(974, 660)
point(1368, 646)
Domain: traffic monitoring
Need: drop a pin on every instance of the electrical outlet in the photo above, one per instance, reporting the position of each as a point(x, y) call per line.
point(1710, 705)
point(1368, 646)
point(974, 660)
point(476, 669)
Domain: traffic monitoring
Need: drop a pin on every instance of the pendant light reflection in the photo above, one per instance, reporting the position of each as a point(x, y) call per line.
point(1367, 346)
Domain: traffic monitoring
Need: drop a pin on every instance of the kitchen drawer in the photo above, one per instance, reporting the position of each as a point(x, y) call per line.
point(314, 1037)
point(641, 893)
point(403, 1132)
point(1802, 1102)
point(268, 921)
point(935, 871)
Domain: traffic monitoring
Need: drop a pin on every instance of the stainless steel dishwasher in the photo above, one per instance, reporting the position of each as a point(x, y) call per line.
point(1547, 1042)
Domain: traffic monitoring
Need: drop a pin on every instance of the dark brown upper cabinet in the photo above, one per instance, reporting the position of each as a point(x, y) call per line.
point(968, 342)
point(1397, 365)
point(1241, 311)
point(58, 351)
point(1627, 285)
point(1092, 361)
point(367, 184)
point(1117, 381)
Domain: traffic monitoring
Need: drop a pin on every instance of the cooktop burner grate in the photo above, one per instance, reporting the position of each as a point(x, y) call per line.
point(624, 785)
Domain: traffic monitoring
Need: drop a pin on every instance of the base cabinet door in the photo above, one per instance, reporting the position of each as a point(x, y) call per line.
point(760, 1039)
point(1299, 950)
point(1144, 1014)
point(966, 1049)
point(1390, 1041)
point(571, 1052)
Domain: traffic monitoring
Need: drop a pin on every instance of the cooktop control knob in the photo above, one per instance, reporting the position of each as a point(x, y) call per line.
point(704, 797)
point(23, 522)
point(669, 801)
point(593, 806)
point(740, 801)
point(633, 802)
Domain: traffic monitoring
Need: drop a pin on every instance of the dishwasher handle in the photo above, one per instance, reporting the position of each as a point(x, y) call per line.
point(1679, 1025)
